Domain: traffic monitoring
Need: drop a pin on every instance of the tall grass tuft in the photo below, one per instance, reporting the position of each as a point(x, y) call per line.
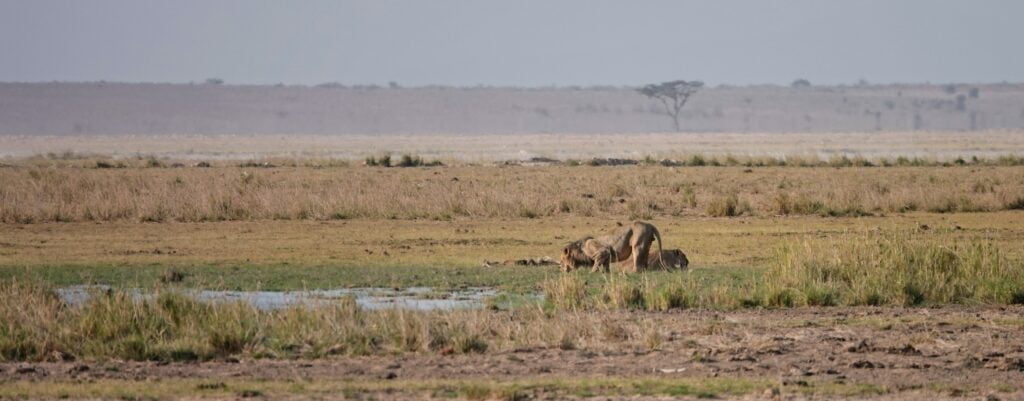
point(566, 292)
point(30, 322)
point(619, 293)
point(727, 206)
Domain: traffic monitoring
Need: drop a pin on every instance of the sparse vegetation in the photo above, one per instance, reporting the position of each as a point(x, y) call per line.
point(727, 206)
point(892, 269)
point(889, 269)
point(406, 160)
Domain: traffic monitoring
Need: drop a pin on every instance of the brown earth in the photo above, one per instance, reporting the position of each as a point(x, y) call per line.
point(819, 353)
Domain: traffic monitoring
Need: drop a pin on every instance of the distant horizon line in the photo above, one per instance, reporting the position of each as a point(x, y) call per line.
point(396, 85)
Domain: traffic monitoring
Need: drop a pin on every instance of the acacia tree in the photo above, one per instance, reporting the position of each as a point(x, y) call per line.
point(673, 95)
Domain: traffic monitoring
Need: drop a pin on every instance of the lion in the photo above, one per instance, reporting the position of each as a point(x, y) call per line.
point(669, 259)
point(588, 251)
point(633, 241)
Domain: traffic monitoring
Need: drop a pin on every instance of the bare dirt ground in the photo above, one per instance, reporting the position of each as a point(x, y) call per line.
point(808, 353)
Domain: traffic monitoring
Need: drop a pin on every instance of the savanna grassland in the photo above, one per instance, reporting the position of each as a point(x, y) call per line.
point(883, 277)
point(103, 192)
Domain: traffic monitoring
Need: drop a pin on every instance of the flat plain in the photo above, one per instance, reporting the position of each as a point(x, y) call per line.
point(813, 275)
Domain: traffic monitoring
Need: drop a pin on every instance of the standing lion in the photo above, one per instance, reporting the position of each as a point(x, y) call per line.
point(633, 241)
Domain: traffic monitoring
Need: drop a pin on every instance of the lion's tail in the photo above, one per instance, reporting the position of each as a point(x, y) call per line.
point(657, 236)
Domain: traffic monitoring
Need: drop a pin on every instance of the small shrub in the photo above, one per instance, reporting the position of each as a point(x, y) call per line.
point(172, 276)
point(784, 297)
point(952, 205)
point(250, 393)
point(983, 186)
point(689, 197)
point(567, 343)
point(664, 298)
point(527, 213)
point(567, 292)
point(256, 164)
point(410, 161)
point(820, 296)
point(467, 344)
point(564, 206)
point(727, 206)
point(621, 294)
point(1017, 298)
point(840, 161)
point(914, 294)
point(618, 191)
point(1017, 204)
point(109, 164)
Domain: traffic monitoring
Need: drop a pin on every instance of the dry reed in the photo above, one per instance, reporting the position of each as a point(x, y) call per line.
point(34, 194)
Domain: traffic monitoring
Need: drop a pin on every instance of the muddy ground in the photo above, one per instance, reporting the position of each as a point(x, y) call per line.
point(821, 353)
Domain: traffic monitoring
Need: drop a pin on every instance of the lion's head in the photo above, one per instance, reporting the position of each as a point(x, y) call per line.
point(573, 256)
point(682, 261)
point(674, 259)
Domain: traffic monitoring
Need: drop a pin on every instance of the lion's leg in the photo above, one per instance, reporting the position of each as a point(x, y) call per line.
point(601, 261)
point(640, 257)
point(636, 260)
point(611, 258)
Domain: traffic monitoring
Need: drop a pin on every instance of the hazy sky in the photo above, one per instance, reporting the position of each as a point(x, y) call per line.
point(515, 42)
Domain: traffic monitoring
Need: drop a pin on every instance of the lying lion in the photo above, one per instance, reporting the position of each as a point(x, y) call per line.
point(669, 259)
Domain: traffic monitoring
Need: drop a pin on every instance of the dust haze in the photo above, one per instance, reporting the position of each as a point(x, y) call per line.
point(333, 108)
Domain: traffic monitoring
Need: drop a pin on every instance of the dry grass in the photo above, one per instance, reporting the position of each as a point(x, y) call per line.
point(33, 194)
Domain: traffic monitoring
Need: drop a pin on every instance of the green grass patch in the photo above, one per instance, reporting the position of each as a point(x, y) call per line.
point(281, 277)
point(896, 268)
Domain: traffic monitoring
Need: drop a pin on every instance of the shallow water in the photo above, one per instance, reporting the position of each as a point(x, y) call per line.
point(413, 298)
